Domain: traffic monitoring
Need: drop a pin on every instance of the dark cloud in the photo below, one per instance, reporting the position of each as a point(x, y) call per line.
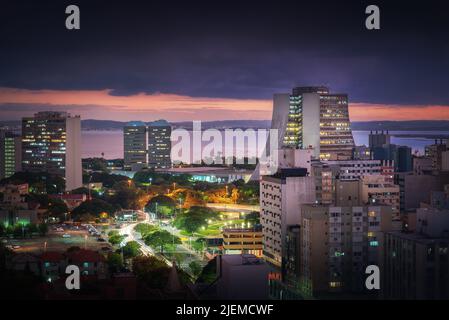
point(234, 49)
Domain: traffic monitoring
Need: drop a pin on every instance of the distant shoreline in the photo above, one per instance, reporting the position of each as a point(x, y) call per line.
point(417, 125)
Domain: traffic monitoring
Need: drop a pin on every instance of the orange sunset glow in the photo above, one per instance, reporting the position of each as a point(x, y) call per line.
point(101, 104)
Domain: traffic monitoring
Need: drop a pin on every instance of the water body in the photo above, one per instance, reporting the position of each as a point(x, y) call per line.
point(94, 143)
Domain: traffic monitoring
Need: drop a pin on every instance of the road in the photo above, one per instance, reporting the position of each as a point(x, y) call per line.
point(234, 207)
point(131, 235)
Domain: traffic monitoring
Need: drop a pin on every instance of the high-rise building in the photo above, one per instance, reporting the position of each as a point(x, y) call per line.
point(135, 146)
point(159, 144)
point(400, 155)
point(378, 139)
point(338, 243)
point(291, 256)
point(281, 197)
point(51, 143)
point(10, 154)
point(435, 152)
point(417, 263)
point(320, 120)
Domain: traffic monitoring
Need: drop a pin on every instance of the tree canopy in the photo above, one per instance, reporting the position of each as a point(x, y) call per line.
point(165, 205)
point(93, 208)
point(161, 239)
point(131, 249)
point(195, 218)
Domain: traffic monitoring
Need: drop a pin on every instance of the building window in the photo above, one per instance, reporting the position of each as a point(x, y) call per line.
point(374, 243)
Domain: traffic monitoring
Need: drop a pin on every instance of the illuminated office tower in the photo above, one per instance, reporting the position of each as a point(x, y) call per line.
point(320, 120)
point(51, 143)
point(135, 146)
point(10, 154)
point(159, 144)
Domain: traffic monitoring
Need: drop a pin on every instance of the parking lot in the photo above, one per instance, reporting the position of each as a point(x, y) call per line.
point(59, 238)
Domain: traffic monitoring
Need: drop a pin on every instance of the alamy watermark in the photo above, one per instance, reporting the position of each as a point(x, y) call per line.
point(72, 21)
point(224, 147)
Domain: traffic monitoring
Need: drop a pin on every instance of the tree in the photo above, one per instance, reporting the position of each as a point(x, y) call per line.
point(33, 228)
point(209, 273)
point(189, 223)
point(149, 176)
point(253, 217)
point(127, 196)
point(192, 220)
point(196, 268)
point(161, 239)
point(162, 205)
point(144, 177)
point(54, 206)
point(94, 193)
point(38, 182)
point(57, 208)
point(95, 164)
point(92, 207)
point(115, 238)
point(151, 271)
point(108, 180)
point(115, 261)
point(43, 229)
point(131, 249)
point(145, 228)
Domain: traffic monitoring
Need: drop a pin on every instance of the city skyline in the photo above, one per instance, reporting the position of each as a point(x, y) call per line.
point(238, 150)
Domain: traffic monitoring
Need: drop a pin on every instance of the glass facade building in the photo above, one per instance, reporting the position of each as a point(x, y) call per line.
point(10, 154)
point(330, 113)
point(51, 143)
point(135, 146)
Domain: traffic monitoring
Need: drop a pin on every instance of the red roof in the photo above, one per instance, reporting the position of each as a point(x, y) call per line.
point(52, 257)
point(83, 255)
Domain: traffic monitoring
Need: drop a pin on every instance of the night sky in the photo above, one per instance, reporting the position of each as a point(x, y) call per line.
point(209, 60)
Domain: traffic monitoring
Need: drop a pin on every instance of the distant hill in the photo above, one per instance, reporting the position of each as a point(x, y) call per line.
point(418, 125)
